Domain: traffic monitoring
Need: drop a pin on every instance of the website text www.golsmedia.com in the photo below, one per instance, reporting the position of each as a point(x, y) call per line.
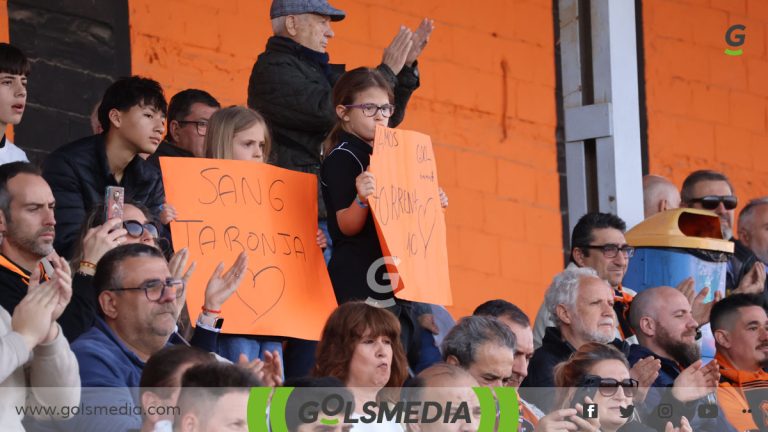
point(65, 412)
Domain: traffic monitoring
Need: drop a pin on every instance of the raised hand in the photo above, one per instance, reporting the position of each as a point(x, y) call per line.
point(33, 316)
point(557, 421)
point(420, 38)
point(221, 286)
point(101, 239)
point(268, 371)
point(397, 51)
point(62, 281)
point(696, 381)
point(753, 282)
point(177, 264)
point(168, 214)
point(645, 371)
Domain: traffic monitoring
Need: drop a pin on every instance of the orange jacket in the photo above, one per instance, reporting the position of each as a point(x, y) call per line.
point(736, 390)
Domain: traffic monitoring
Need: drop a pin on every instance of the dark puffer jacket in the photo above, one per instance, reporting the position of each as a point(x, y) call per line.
point(293, 92)
point(78, 174)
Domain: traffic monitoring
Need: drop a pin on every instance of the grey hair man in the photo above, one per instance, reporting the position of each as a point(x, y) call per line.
point(659, 194)
point(581, 306)
point(484, 347)
point(753, 235)
point(292, 80)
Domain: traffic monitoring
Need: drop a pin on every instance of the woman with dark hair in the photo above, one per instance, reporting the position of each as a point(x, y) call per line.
point(360, 345)
point(161, 382)
point(599, 374)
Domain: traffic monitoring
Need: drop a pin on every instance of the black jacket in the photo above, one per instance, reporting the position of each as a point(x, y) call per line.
point(293, 92)
point(740, 263)
point(78, 316)
point(553, 350)
point(78, 174)
point(167, 149)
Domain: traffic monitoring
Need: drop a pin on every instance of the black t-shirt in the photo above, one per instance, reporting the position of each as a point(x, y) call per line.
point(352, 256)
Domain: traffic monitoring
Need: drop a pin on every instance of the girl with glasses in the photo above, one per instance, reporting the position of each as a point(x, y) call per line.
point(363, 99)
point(599, 374)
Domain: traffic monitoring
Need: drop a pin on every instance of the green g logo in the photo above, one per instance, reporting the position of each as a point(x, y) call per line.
point(735, 40)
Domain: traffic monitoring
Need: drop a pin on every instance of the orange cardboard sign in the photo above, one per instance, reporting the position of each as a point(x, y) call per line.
point(225, 207)
point(408, 216)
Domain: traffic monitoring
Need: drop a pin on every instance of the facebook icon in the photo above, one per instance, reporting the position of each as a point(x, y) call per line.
point(590, 411)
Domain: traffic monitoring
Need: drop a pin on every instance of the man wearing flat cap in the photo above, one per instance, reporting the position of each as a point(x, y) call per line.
point(291, 86)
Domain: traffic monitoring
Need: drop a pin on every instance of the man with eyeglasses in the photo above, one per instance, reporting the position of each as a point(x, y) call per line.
point(712, 190)
point(188, 114)
point(139, 304)
point(666, 330)
point(597, 242)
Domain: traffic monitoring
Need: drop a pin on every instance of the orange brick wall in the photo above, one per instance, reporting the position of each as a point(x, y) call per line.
point(707, 109)
point(487, 99)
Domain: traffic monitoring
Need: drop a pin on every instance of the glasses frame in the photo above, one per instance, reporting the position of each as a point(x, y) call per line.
point(198, 124)
point(607, 248)
point(609, 386)
point(168, 282)
point(144, 227)
point(732, 203)
point(368, 106)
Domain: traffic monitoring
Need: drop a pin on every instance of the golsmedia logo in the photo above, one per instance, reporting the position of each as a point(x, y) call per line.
point(735, 38)
point(287, 412)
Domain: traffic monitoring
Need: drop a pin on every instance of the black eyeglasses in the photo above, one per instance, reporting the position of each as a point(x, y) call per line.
point(610, 250)
point(609, 386)
point(370, 109)
point(201, 125)
point(136, 229)
point(711, 202)
point(154, 289)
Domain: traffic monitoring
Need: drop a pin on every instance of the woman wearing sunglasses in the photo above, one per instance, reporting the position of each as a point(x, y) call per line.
point(599, 374)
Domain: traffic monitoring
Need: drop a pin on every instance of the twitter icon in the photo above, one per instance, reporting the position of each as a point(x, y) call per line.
point(626, 412)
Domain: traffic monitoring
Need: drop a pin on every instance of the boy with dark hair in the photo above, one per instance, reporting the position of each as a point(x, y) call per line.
point(214, 397)
point(188, 114)
point(14, 68)
point(132, 114)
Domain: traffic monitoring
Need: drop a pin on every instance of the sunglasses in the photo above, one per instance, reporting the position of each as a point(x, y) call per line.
point(136, 229)
point(609, 386)
point(711, 202)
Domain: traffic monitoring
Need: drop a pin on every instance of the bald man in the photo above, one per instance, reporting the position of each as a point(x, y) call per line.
point(444, 383)
point(663, 323)
point(659, 194)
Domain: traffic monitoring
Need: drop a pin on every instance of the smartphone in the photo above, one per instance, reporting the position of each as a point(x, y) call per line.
point(588, 388)
point(114, 200)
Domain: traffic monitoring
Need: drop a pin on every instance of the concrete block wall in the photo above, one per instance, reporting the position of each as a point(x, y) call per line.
point(487, 99)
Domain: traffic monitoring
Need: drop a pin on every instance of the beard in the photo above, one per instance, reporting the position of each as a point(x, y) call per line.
point(30, 243)
point(593, 335)
point(681, 352)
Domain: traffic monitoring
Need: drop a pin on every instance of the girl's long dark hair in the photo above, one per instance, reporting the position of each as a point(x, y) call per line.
point(346, 90)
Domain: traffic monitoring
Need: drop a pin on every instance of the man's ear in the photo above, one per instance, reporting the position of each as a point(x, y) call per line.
point(744, 236)
point(108, 303)
point(648, 326)
point(292, 25)
point(189, 423)
point(452, 360)
point(3, 225)
point(173, 130)
point(151, 399)
point(663, 205)
point(578, 256)
point(722, 338)
point(563, 314)
point(115, 117)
